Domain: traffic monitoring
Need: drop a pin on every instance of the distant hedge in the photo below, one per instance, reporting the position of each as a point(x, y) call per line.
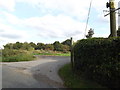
point(99, 59)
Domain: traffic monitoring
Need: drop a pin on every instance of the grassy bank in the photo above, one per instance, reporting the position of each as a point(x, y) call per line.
point(0, 59)
point(10, 55)
point(53, 54)
point(18, 58)
point(74, 81)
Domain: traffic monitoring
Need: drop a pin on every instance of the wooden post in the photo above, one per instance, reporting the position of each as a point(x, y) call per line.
point(112, 19)
point(72, 61)
point(112, 10)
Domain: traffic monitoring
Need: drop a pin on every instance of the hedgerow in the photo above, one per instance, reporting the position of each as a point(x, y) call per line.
point(99, 59)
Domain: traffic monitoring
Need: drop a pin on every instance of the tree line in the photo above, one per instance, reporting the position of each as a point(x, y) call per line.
point(56, 46)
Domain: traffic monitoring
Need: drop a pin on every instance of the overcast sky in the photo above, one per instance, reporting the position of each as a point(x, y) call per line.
point(51, 20)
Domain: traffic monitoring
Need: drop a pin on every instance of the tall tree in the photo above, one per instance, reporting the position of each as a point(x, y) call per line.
point(90, 33)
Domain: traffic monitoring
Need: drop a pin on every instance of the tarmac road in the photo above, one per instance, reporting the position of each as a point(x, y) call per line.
point(40, 73)
point(14, 79)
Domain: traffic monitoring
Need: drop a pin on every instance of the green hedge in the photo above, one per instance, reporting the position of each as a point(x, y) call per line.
point(99, 59)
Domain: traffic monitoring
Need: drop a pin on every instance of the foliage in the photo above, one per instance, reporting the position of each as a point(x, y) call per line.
point(26, 46)
point(49, 47)
point(60, 47)
point(40, 46)
point(33, 45)
point(0, 55)
point(10, 55)
point(67, 42)
point(72, 80)
point(8, 46)
point(90, 33)
point(18, 46)
point(118, 32)
point(65, 48)
point(56, 46)
point(99, 59)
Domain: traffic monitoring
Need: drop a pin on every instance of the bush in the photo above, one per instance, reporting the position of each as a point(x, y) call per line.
point(10, 55)
point(99, 59)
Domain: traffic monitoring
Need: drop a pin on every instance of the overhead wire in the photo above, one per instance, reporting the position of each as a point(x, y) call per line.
point(88, 18)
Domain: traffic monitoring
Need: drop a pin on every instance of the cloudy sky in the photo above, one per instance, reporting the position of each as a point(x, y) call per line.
point(50, 20)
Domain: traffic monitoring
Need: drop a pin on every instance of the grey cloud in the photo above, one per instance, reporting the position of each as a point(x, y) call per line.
point(10, 36)
point(47, 35)
point(53, 35)
point(76, 32)
point(1, 30)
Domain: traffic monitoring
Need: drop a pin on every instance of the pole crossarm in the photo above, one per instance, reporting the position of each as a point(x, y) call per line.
point(112, 11)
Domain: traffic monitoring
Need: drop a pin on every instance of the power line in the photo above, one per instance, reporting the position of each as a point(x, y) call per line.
point(88, 18)
point(112, 11)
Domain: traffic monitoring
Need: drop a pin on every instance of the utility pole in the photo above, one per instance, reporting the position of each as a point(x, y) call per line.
point(72, 54)
point(111, 5)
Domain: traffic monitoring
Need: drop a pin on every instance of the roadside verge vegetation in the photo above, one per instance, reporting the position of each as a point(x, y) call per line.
point(10, 55)
point(50, 53)
point(72, 80)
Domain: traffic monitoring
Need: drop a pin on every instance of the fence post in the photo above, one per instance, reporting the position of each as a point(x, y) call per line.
point(72, 61)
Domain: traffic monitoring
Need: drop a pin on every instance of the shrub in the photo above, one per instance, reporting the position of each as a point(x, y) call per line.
point(99, 59)
point(10, 55)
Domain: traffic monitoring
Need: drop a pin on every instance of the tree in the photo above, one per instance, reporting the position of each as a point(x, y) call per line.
point(40, 46)
point(65, 48)
point(118, 32)
point(67, 42)
point(26, 46)
point(90, 33)
point(49, 47)
point(17, 45)
point(8, 46)
point(33, 45)
point(57, 46)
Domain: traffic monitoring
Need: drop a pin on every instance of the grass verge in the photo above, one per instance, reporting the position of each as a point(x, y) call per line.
point(0, 59)
point(11, 55)
point(53, 54)
point(74, 81)
point(18, 58)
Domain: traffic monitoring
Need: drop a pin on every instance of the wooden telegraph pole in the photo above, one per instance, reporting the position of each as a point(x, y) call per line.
point(72, 59)
point(111, 6)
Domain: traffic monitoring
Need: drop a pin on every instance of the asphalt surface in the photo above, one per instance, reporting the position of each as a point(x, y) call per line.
point(40, 73)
